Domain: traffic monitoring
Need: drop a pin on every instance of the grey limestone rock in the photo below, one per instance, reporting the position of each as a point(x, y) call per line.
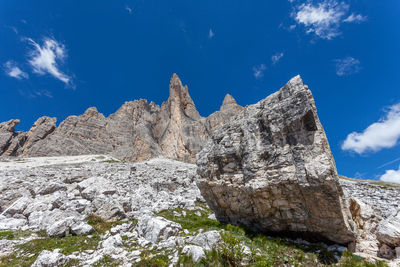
point(228, 110)
point(50, 259)
point(137, 131)
point(179, 129)
point(6, 134)
point(389, 231)
point(155, 228)
point(270, 168)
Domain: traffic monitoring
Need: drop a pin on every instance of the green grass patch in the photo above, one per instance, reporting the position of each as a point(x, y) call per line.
point(147, 259)
point(27, 253)
point(111, 161)
point(350, 260)
point(101, 226)
point(191, 221)
point(264, 250)
point(107, 260)
point(12, 235)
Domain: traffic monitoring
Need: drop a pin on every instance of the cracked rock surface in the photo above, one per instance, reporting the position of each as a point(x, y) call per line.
point(270, 168)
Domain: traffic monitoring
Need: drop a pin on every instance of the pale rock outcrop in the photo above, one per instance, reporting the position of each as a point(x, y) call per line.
point(228, 109)
point(76, 135)
point(155, 228)
point(179, 129)
point(40, 130)
point(50, 259)
point(6, 134)
point(137, 131)
point(389, 231)
point(271, 169)
point(130, 130)
point(196, 252)
point(207, 240)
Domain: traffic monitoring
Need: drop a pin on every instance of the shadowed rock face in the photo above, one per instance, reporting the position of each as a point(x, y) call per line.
point(270, 168)
point(137, 131)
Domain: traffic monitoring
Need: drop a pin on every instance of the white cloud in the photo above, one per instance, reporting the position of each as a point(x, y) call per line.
point(392, 176)
point(347, 66)
point(46, 58)
point(324, 19)
point(355, 18)
point(382, 134)
point(12, 70)
point(211, 34)
point(129, 9)
point(276, 57)
point(258, 71)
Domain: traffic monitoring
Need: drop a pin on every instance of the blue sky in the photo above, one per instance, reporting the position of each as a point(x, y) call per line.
point(58, 58)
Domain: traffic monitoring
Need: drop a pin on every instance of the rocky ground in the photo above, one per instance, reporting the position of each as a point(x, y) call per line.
point(97, 211)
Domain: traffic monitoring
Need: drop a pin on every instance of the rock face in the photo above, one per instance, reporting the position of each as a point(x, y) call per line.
point(6, 134)
point(228, 109)
point(137, 131)
point(179, 129)
point(271, 169)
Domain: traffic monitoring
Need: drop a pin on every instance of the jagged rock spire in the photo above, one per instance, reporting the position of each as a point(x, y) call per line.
point(228, 103)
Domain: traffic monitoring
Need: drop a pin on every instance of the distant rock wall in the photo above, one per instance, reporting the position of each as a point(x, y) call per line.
point(137, 131)
point(270, 168)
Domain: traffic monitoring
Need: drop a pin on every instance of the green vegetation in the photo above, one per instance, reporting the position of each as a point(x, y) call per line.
point(27, 253)
point(191, 221)
point(12, 235)
point(262, 250)
point(149, 260)
point(350, 260)
point(111, 161)
point(107, 260)
point(100, 225)
point(238, 247)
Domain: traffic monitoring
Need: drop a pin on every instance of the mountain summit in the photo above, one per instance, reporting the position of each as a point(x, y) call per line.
point(137, 131)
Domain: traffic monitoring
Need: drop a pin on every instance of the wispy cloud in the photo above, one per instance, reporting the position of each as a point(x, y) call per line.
point(12, 70)
point(210, 34)
point(258, 71)
point(35, 93)
point(45, 59)
point(388, 163)
point(129, 9)
point(355, 18)
point(392, 176)
point(276, 57)
point(347, 66)
point(382, 134)
point(324, 19)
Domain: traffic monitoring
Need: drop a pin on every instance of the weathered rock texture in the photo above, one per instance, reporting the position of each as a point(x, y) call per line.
point(271, 169)
point(137, 131)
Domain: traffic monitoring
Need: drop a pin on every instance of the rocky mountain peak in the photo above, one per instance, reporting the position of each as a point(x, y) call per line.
point(179, 100)
point(137, 131)
point(228, 103)
point(8, 126)
point(91, 112)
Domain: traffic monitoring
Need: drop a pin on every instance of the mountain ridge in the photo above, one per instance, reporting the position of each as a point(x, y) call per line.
point(138, 130)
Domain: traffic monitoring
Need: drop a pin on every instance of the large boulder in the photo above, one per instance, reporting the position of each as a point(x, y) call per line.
point(388, 231)
point(50, 259)
point(156, 228)
point(271, 169)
